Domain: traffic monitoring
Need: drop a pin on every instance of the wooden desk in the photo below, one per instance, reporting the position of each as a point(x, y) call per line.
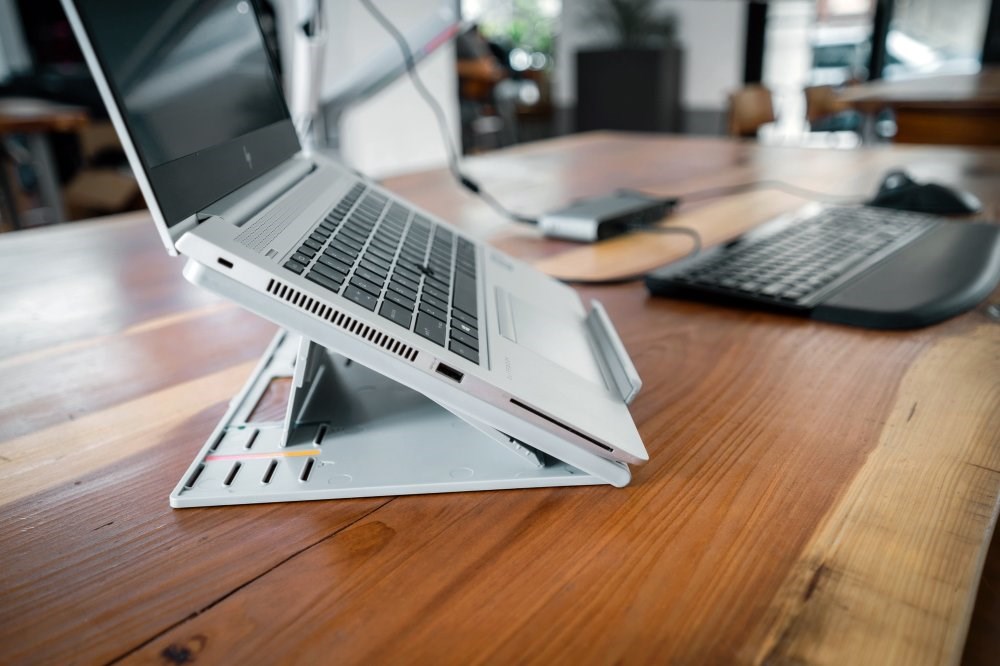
point(952, 110)
point(816, 494)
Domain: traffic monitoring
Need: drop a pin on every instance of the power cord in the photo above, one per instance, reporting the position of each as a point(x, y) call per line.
point(449, 143)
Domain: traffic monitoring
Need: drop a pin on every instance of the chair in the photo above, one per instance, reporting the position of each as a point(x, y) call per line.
point(825, 112)
point(749, 109)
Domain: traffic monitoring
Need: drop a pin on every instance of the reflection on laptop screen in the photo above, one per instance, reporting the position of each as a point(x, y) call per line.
point(189, 75)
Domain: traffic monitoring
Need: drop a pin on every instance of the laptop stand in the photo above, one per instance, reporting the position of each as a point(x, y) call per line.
point(351, 432)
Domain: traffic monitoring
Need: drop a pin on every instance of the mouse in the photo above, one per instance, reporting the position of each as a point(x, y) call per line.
point(900, 192)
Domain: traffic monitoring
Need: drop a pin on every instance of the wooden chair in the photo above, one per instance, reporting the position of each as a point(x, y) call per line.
point(749, 109)
point(825, 111)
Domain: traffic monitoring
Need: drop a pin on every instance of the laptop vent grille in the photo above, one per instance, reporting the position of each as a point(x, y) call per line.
point(340, 320)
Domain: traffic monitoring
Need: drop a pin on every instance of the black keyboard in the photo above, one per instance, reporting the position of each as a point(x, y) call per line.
point(793, 265)
point(386, 258)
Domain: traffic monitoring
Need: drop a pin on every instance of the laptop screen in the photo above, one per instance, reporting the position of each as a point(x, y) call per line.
point(194, 83)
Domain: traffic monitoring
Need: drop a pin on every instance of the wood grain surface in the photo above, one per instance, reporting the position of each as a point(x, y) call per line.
point(815, 493)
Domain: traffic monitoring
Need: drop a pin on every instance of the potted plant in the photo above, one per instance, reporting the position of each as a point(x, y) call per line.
point(634, 83)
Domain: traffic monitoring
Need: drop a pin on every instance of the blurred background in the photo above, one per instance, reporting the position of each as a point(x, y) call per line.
point(823, 73)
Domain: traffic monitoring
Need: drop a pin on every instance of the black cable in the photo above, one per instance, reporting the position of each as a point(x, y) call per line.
point(442, 122)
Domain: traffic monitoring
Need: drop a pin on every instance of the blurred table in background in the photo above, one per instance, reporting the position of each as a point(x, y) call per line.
point(955, 110)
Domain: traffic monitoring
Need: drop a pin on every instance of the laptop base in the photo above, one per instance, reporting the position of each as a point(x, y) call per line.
point(347, 431)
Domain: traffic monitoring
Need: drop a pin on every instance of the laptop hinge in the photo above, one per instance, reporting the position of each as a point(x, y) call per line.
point(242, 204)
point(611, 356)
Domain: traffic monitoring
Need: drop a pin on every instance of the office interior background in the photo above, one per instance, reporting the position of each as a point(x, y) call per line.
point(521, 70)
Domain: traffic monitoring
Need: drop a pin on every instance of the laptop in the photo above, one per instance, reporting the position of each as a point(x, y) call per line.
point(316, 248)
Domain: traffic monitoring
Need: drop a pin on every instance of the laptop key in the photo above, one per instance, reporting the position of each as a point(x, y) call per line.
point(372, 261)
point(467, 353)
point(465, 293)
point(329, 273)
point(436, 302)
point(343, 241)
point(339, 254)
point(461, 325)
point(362, 298)
point(370, 275)
point(436, 293)
point(465, 338)
point(399, 299)
point(335, 264)
point(294, 266)
point(430, 328)
point(396, 314)
point(401, 278)
point(400, 288)
point(465, 319)
point(370, 287)
point(437, 313)
point(324, 281)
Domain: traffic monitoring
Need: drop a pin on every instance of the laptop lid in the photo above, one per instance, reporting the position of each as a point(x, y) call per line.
point(191, 90)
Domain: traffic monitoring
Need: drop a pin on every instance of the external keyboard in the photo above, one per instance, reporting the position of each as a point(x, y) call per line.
point(796, 264)
point(387, 258)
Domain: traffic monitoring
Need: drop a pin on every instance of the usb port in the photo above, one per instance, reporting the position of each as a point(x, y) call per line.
point(449, 372)
point(225, 262)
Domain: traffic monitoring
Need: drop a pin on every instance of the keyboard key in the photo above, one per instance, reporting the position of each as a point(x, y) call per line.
point(370, 261)
point(437, 313)
point(396, 314)
point(400, 299)
point(465, 338)
point(465, 294)
point(430, 328)
point(370, 287)
point(335, 264)
point(339, 255)
point(469, 321)
point(362, 298)
point(343, 241)
point(436, 302)
point(323, 281)
point(294, 266)
point(467, 353)
point(301, 258)
point(400, 277)
point(329, 273)
point(430, 290)
point(461, 325)
point(381, 254)
point(408, 273)
point(310, 243)
point(398, 287)
point(375, 277)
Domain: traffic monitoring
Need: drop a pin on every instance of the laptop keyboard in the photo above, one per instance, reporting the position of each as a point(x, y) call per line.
point(389, 259)
point(793, 265)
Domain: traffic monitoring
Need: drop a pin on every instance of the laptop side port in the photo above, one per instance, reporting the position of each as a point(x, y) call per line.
point(449, 372)
point(225, 263)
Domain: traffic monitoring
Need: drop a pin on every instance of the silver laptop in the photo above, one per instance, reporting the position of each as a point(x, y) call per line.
point(318, 249)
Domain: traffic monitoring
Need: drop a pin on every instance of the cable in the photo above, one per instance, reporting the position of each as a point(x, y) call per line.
point(442, 122)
